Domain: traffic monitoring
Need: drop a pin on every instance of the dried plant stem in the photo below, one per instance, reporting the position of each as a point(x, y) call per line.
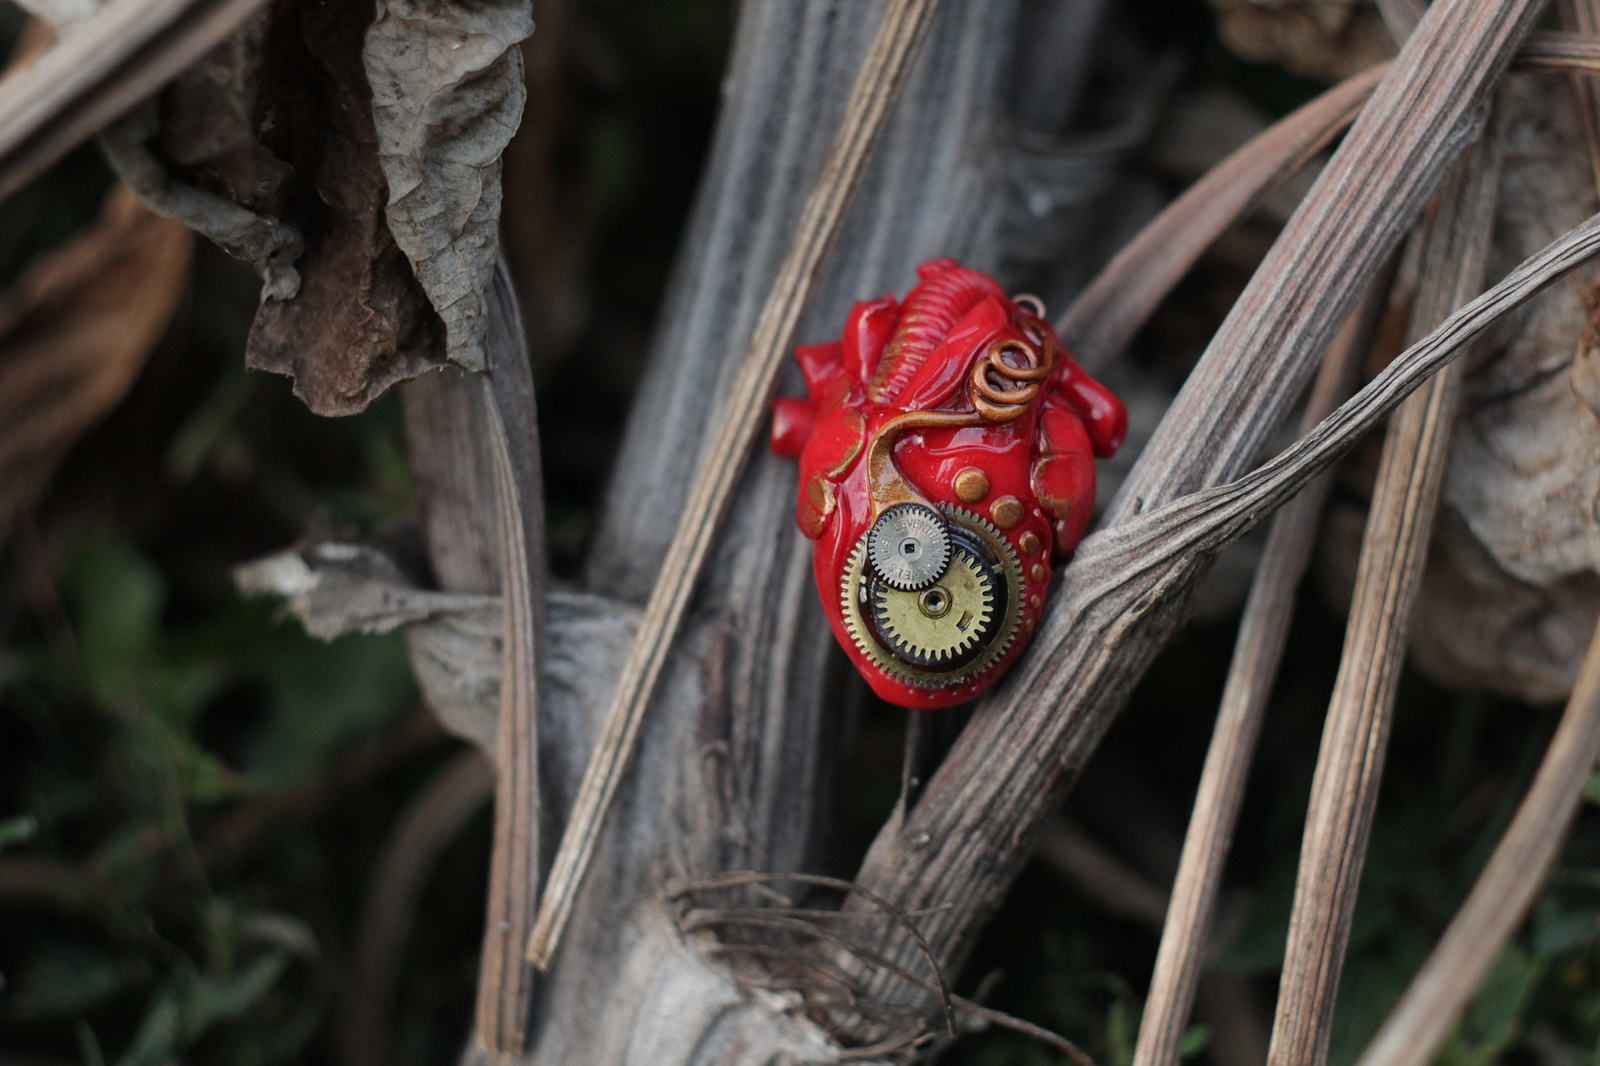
point(122, 54)
point(1554, 53)
point(1107, 314)
point(904, 25)
point(1263, 632)
point(1344, 790)
point(426, 827)
point(505, 980)
point(1434, 1001)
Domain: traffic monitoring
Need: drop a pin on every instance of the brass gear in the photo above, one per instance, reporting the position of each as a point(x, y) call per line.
point(858, 586)
point(936, 627)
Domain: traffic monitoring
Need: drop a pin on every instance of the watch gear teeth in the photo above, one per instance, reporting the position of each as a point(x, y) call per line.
point(860, 589)
point(939, 641)
point(909, 546)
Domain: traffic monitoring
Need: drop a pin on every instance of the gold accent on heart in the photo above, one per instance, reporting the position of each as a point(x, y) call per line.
point(1006, 512)
point(970, 485)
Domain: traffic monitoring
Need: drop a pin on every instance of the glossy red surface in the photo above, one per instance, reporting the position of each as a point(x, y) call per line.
point(904, 381)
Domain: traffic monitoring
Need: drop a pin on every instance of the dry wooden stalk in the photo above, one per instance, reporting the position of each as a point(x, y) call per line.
point(1344, 791)
point(505, 980)
point(107, 65)
point(1553, 53)
point(904, 25)
point(1263, 632)
point(1439, 993)
point(961, 845)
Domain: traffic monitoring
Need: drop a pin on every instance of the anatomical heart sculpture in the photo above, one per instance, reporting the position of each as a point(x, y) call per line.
point(947, 451)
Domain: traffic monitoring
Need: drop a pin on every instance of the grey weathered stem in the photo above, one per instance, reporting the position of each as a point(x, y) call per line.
point(1344, 791)
point(904, 25)
point(1257, 653)
point(1433, 1003)
point(505, 981)
point(735, 765)
point(475, 452)
point(956, 852)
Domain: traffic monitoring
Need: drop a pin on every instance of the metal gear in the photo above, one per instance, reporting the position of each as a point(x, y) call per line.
point(975, 537)
point(909, 546)
point(938, 626)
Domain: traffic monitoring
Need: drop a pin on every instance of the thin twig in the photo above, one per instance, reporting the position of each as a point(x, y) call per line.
point(1257, 653)
point(429, 823)
point(1101, 876)
point(505, 978)
point(1559, 53)
point(1344, 791)
point(679, 888)
point(255, 819)
point(895, 45)
point(1107, 314)
point(1038, 1032)
point(1440, 991)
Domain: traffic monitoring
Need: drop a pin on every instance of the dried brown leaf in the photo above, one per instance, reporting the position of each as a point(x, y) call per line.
point(74, 333)
point(119, 56)
point(447, 95)
point(218, 179)
point(360, 321)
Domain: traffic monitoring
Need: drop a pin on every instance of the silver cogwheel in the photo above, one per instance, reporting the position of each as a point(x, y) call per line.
point(909, 547)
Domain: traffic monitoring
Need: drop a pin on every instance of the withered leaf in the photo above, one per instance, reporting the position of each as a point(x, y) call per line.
point(74, 333)
point(267, 147)
point(225, 184)
point(360, 321)
point(447, 95)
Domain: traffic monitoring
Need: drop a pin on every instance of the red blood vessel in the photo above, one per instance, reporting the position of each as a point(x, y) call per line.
point(947, 448)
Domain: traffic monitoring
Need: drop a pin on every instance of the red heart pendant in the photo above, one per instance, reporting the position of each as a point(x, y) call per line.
point(947, 450)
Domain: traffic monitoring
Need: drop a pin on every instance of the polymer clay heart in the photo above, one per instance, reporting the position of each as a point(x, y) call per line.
point(947, 449)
